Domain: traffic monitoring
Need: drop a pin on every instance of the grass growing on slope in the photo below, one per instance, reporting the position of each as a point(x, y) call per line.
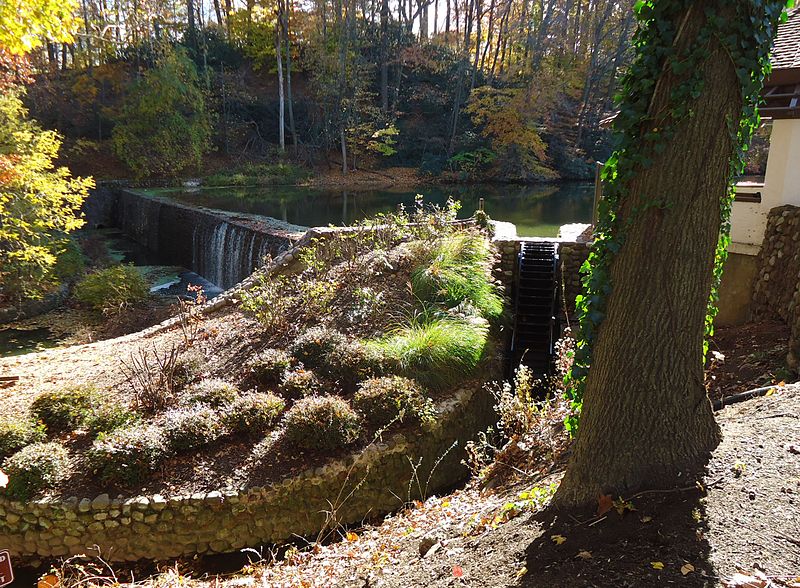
point(456, 270)
point(439, 353)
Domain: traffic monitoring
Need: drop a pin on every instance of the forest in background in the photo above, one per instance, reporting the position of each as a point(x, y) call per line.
point(498, 90)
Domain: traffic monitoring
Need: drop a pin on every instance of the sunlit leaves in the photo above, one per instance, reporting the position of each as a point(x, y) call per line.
point(39, 203)
point(25, 24)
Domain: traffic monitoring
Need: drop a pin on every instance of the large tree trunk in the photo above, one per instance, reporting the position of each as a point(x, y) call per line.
point(384, 55)
point(647, 421)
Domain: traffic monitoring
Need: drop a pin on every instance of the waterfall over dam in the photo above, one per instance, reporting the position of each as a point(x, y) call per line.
point(222, 247)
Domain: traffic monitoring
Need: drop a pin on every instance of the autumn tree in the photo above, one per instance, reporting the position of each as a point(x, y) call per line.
point(39, 202)
point(687, 111)
point(164, 126)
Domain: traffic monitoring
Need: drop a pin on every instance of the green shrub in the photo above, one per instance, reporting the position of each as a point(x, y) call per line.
point(440, 353)
point(34, 468)
point(64, 410)
point(332, 356)
point(105, 417)
point(254, 414)
point(298, 383)
point(382, 400)
point(191, 427)
point(127, 456)
point(113, 288)
point(457, 271)
point(321, 422)
point(16, 433)
point(213, 392)
point(188, 368)
point(312, 347)
point(269, 365)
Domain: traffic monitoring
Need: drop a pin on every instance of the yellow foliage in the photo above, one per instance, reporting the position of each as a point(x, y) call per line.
point(24, 24)
point(39, 203)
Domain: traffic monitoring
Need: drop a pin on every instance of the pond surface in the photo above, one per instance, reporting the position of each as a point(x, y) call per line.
point(537, 210)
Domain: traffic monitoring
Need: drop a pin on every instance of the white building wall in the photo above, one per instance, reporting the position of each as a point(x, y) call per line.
point(781, 186)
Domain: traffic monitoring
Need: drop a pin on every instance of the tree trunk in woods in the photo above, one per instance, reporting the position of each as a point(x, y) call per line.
point(218, 12)
point(384, 56)
point(647, 421)
point(279, 59)
point(287, 8)
point(190, 14)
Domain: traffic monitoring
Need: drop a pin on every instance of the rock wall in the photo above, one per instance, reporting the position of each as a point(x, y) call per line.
point(776, 292)
point(158, 527)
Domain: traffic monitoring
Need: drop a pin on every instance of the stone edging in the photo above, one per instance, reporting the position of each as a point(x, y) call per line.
point(157, 527)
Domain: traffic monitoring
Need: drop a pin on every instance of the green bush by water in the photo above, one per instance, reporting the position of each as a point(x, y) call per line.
point(127, 455)
point(113, 288)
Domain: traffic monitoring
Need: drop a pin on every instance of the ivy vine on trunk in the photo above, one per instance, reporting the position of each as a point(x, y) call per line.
point(687, 110)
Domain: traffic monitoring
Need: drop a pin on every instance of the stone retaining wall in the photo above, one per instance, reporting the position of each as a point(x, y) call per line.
point(158, 527)
point(776, 292)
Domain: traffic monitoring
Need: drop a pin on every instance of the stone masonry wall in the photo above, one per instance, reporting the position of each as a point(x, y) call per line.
point(158, 527)
point(776, 292)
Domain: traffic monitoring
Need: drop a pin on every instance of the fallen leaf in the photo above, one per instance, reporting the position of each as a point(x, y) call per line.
point(646, 519)
point(657, 565)
point(687, 568)
point(584, 554)
point(458, 571)
point(48, 581)
point(521, 572)
point(604, 504)
point(743, 581)
point(558, 539)
point(622, 505)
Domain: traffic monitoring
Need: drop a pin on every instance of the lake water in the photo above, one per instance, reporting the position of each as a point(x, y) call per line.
point(538, 210)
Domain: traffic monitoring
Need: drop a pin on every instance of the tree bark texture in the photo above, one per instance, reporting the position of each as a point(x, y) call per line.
point(647, 421)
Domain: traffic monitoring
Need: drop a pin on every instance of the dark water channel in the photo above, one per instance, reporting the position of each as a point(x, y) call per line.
point(537, 210)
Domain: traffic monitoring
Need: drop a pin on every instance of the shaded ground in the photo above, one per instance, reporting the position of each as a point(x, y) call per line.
point(752, 355)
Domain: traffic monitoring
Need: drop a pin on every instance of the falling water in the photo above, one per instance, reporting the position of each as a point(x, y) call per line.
point(222, 251)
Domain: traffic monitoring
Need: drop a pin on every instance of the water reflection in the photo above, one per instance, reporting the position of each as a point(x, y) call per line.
point(536, 210)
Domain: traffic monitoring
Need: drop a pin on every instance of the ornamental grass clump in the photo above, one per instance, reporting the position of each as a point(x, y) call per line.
point(392, 398)
point(17, 432)
point(37, 467)
point(128, 455)
point(64, 410)
point(269, 365)
point(457, 271)
point(321, 422)
point(437, 354)
point(254, 414)
point(191, 427)
point(212, 392)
